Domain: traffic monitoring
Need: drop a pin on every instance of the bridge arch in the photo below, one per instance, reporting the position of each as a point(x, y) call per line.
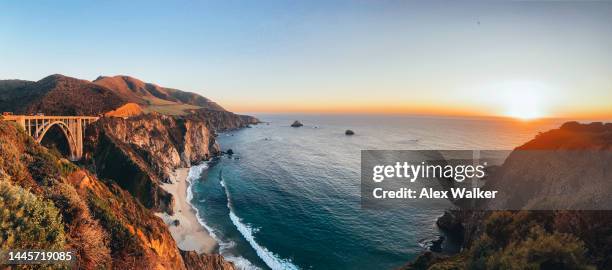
point(73, 128)
point(70, 138)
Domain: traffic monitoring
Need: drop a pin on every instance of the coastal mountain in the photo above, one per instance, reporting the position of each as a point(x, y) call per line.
point(57, 95)
point(62, 95)
point(145, 133)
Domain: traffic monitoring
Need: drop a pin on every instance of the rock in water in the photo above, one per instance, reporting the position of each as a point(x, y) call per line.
point(229, 152)
point(349, 132)
point(436, 245)
point(296, 123)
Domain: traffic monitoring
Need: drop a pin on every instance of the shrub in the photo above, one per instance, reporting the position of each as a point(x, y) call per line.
point(86, 236)
point(121, 238)
point(42, 165)
point(542, 251)
point(519, 240)
point(26, 222)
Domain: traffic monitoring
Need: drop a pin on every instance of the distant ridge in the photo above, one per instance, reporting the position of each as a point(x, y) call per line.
point(57, 95)
point(62, 95)
point(142, 93)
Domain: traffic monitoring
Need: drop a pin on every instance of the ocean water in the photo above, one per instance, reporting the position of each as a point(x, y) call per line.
point(289, 198)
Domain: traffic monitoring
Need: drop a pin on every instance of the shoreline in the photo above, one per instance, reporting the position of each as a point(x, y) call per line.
point(189, 234)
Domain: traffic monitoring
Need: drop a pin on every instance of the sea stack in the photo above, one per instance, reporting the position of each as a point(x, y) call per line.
point(296, 123)
point(349, 132)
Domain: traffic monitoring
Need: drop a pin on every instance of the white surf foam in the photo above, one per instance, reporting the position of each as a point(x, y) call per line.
point(271, 259)
point(239, 262)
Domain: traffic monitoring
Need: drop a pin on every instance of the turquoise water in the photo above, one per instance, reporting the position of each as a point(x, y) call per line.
point(290, 197)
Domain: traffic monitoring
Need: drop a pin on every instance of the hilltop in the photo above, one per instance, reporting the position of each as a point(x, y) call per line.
point(57, 95)
point(62, 95)
point(153, 97)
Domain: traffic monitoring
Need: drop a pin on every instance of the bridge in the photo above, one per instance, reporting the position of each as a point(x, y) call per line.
point(73, 127)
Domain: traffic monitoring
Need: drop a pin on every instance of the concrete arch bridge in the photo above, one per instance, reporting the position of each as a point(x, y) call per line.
point(73, 128)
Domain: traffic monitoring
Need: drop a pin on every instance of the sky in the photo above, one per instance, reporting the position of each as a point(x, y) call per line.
point(520, 59)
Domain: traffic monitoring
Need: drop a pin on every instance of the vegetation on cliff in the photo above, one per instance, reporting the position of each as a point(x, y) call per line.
point(47, 202)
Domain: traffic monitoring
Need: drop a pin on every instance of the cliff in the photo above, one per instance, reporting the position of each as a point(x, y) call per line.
point(104, 224)
point(561, 239)
point(193, 261)
point(140, 152)
point(222, 120)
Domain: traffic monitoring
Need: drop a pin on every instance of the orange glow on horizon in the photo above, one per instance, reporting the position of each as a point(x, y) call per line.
point(518, 112)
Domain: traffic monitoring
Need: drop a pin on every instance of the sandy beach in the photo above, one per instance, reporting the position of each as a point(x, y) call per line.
point(189, 234)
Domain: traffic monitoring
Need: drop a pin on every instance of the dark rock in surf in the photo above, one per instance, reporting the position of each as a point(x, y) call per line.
point(297, 123)
point(450, 223)
point(349, 132)
point(436, 245)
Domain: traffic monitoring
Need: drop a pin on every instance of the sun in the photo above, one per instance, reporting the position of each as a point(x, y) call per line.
point(524, 101)
point(523, 113)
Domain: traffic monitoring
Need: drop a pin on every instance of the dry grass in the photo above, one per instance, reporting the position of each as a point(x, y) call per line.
point(172, 109)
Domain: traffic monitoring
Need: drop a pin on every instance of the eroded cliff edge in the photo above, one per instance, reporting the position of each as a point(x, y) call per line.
point(139, 153)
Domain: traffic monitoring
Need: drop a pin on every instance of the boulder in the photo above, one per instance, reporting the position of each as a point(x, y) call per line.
point(349, 132)
point(296, 123)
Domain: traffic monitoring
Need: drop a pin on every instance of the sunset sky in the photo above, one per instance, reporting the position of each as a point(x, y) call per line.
point(520, 59)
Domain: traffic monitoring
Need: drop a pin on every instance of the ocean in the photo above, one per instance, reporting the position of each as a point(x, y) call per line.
point(289, 198)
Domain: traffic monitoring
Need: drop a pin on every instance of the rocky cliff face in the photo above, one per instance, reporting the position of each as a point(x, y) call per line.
point(139, 153)
point(565, 168)
point(222, 120)
point(194, 261)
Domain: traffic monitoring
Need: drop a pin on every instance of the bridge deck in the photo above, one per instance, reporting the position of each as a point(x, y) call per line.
point(45, 117)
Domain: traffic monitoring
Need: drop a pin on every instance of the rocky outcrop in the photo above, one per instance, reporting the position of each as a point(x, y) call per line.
point(297, 123)
point(195, 261)
point(222, 120)
point(450, 222)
